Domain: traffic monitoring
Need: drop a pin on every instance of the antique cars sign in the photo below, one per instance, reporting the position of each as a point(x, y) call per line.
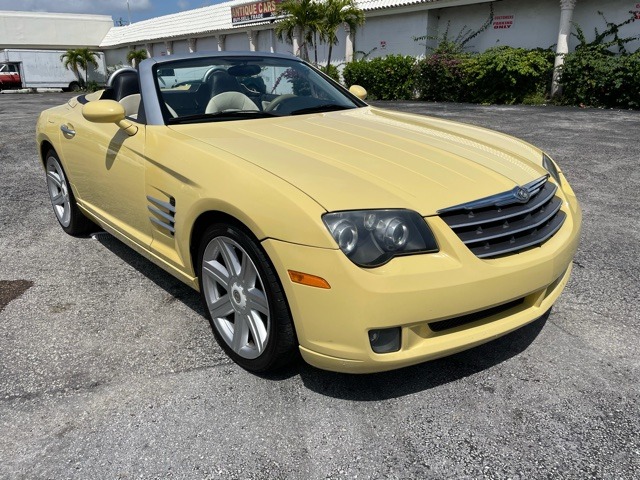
point(254, 12)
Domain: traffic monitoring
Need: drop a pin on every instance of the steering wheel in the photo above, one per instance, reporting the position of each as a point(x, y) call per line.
point(278, 100)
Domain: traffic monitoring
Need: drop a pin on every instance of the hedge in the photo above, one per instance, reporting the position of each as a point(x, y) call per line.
point(385, 78)
point(502, 75)
point(596, 77)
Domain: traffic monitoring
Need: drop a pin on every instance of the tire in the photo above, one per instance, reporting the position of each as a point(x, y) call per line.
point(63, 201)
point(74, 87)
point(244, 300)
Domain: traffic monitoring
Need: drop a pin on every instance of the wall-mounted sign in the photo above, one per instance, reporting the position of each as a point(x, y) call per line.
point(501, 22)
point(254, 12)
point(383, 44)
point(637, 11)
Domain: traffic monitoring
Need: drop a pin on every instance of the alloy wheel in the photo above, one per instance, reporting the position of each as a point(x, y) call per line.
point(58, 191)
point(235, 297)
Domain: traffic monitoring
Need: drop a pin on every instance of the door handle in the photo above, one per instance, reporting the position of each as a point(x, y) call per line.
point(67, 131)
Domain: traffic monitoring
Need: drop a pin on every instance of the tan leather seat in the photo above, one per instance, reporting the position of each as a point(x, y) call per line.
point(230, 101)
point(131, 104)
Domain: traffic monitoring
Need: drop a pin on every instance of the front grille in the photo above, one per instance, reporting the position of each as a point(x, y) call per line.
point(503, 223)
point(473, 317)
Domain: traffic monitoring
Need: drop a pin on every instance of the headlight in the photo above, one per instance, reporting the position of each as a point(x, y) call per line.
point(370, 238)
point(550, 166)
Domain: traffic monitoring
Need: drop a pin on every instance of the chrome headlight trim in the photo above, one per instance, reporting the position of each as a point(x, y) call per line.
point(551, 167)
point(380, 235)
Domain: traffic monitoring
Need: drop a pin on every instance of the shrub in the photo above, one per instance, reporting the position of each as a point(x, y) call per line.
point(508, 75)
point(441, 77)
point(92, 86)
point(385, 78)
point(594, 76)
point(332, 71)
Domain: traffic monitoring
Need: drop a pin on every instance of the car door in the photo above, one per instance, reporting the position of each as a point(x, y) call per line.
point(9, 76)
point(106, 167)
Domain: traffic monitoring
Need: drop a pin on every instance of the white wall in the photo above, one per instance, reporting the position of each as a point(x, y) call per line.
point(180, 47)
point(52, 30)
point(534, 24)
point(116, 56)
point(158, 49)
point(237, 42)
point(282, 46)
point(266, 40)
point(391, 34)
point(616, 11)
point(207, 44)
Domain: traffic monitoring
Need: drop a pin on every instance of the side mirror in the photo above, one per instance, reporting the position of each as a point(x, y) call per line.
point(108, 111)
point(358, 91)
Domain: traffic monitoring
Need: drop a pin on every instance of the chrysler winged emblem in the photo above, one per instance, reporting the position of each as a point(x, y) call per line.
point(518, 194)
point(522, 194)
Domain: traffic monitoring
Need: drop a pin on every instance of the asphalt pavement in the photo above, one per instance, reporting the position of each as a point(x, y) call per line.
point(109, 370)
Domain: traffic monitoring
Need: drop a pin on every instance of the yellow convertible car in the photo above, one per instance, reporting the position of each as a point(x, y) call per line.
point(310, 222)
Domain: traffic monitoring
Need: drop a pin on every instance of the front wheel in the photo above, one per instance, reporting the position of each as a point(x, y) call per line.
point(244, 300)
point(64, 204)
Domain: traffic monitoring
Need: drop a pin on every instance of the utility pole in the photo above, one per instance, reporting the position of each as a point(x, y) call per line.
point(129, 11)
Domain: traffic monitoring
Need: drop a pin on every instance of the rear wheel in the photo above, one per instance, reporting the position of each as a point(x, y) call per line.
point(64, 204)
point(74, 87)
point(244, 300)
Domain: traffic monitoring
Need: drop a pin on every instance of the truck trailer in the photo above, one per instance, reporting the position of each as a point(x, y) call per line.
point(21, 68)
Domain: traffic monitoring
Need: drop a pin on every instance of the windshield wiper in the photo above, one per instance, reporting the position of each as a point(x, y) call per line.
point(326, 107)
point(212, 117)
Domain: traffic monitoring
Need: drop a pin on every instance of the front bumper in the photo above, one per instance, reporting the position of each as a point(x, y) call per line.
point(411, 292)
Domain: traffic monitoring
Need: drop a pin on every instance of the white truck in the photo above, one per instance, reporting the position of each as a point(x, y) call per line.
point(20, 68)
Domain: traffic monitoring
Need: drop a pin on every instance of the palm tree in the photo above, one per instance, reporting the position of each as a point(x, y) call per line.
point(87, 57)
point(304, 15)
point(136, 56)
point(77, 59)
point(71, 60)
point(336, 13)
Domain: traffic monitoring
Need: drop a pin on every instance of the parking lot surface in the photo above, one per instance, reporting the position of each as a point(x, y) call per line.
point(109, 370)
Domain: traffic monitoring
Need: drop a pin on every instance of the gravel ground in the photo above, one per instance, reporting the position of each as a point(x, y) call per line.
point(109, 370)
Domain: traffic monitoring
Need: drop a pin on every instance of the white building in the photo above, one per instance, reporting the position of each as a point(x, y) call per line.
point(390, 28)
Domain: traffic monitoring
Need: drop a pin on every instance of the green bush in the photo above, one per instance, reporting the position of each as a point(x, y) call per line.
point(384, 78)
point(441, 77)
point(331, 71)
point(92, 86)
point(596, 77)
point(507, 75)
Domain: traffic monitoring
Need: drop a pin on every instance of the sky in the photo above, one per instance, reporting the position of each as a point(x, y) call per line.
point(140, 9)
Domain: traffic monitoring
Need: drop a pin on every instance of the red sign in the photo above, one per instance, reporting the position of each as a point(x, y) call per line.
point(637, 12)
point(501, 22)
point(254, 12)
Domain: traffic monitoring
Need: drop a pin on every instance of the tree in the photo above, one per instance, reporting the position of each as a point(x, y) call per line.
point(334, 14)
point(71, 60)
point(87, 57)
point(303, 16)
point(77, 59)
point(136, 56)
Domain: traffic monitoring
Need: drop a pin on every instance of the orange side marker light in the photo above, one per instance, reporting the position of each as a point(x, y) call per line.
point(309, 280)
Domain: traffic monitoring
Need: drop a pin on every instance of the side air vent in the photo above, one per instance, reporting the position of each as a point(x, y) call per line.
point(163, 213)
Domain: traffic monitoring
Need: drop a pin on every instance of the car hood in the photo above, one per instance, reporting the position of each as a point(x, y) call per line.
point(373, 158)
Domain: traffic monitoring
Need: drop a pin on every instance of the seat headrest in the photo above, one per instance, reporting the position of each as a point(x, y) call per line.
point(125, 83)
point(221, 81)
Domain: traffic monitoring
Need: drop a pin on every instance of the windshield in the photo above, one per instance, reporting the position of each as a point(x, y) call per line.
point(233, 88)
